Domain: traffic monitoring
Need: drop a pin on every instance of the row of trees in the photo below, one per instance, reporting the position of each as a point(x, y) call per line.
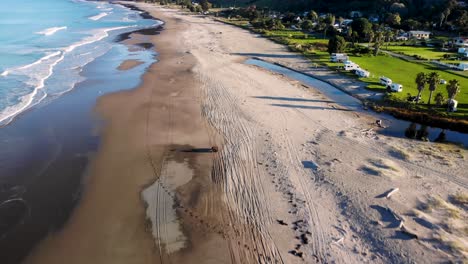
point(408, 14)
point(433, 80)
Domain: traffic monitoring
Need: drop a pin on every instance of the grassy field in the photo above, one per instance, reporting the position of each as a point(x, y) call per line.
point(429, 53)
point(400, 71)
point(404, 73)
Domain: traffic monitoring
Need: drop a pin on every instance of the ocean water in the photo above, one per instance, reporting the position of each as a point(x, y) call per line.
point(45, 45)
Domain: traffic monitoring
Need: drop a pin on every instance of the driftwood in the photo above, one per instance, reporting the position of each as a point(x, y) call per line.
point(402, 226)
point(393, 191)
point(408, 232)
point(397, 217)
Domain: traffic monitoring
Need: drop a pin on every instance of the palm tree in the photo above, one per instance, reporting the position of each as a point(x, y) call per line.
point(453, 88)
point(421, 80)
point(433, 80)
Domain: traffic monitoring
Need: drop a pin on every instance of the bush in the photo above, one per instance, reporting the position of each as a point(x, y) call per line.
point(357, 50)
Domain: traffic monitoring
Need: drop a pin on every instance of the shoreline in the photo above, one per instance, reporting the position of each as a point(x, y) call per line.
point(47, 168)
point(294, 177)
point(146, 124)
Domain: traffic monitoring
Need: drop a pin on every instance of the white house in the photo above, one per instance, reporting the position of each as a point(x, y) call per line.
point(461, 41)
point(419, 34)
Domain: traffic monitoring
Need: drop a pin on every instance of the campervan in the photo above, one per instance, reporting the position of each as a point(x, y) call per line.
point(463, 66)
point(395, 87)
point(452, 105)
point(362, 73)
point(385, 81)
point(338, 57)
point(349, 66)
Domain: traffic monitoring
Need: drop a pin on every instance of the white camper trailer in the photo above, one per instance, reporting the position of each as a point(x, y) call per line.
point(339, 57)
point(349, 66)
point(362, 73)
point(385, 81)
point(395, 87)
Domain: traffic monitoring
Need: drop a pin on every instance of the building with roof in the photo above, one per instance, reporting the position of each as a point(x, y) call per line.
point(419, 34)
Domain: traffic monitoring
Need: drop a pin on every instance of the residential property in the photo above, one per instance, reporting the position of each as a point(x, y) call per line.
point(461, 42)
point(419, 34)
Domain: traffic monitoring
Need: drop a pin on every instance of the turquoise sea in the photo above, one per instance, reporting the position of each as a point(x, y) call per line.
point(44, 46)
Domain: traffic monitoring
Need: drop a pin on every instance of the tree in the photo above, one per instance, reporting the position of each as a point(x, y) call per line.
point(329, 22)
point(393, 19)
point(362, 26)
point(379, 39)
point(307, 25)
point(370, 35)
point(453, 88)
point(205, 5)
point(439, 99)
point(389, 36)
point(336, 44)
point(421, 80)
point(433, 80)
point(313, 16)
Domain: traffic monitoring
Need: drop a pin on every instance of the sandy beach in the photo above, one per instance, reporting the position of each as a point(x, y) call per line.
point(293, 177)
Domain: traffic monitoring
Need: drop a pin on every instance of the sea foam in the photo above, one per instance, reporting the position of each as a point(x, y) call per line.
point(42, 69)
point(97, 17)
point(50, 31)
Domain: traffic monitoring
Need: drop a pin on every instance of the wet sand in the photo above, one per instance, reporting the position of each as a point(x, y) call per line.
point(129, 64)
point(144, 127)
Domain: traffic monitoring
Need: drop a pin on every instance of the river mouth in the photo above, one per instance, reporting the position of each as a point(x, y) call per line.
point(393, 127)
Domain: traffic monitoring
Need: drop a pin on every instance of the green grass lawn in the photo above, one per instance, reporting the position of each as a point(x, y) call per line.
point(429, 53)
point(404, 73)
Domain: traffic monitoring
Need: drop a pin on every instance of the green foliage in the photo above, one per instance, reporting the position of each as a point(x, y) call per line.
point(205, 5)
point(433, 80)
point(307, 25)
point(336, 44)
point(421, 80)
point(439, 99)
point(268, 23)
point(362, 27)
point(453, 88)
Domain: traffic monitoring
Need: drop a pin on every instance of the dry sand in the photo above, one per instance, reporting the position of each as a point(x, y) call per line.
point(295, 180)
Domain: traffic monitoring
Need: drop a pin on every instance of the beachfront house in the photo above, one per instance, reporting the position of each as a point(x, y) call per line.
point(419, 34)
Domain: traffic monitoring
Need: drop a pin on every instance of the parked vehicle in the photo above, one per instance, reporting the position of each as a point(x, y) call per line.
point(349, 66)
point(395, 87)
point(463, 66)
point(362, 73)
point(442, 81)
point(413, 98)
point(452, 105)
point(339, 57)
point(385, 81)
